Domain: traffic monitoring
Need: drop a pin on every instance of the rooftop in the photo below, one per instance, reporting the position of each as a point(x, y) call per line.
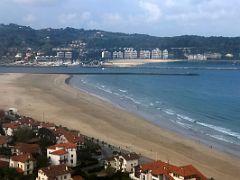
point(22, 158)
point(3, 140)
point(63, 145)
point(55, 170)
point(59, 152)
point(27, 148)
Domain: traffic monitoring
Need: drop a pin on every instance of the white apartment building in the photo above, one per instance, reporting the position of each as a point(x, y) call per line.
point(57, 172)
point(23, 163)
point(145, 54)
point(117, 55)
point(165, 54)
point(123, 162)
point(60, 55)
point(68, 55)
point(130, 53)
point(156, 54)
point(197, 57)
point(106, 55)
point(65, 153)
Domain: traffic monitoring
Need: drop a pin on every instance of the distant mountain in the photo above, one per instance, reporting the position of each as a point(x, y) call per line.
point(20, 37)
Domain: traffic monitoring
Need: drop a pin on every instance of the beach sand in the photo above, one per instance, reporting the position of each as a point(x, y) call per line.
point(49, 98)
point(135, 62)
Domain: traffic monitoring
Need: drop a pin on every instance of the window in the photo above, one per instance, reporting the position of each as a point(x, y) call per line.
point(72, 161)
point(72, 155)
point(28, 166)
point(65, 177)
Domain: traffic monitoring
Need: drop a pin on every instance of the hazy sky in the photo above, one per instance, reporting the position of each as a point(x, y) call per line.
point(155, 17)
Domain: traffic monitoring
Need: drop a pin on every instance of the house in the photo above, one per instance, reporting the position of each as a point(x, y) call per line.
point(23, 148)
point(24, 163)
point(123, 162)
point(54, 172)
point(65, 136)
point(50, 126)
point(4, 141)
point(65, 153)
point(9, 128)
point(29, 122)
point(166, 171)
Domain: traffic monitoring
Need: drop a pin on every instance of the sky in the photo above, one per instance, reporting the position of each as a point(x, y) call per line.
point(154, 17)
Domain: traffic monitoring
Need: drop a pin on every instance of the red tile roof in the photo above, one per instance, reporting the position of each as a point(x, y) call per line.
point(77, 178)
point(47, 125)
point(56, 170)
point(2, 113)
point(71, 137)
point(27, 148)
point(64, 145)
point(3, 140)
point(13, 125)
point(22, 158)
point(59, 152)
point(4, 164)
point(162, 168)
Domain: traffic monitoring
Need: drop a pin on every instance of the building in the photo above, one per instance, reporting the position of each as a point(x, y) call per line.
point(117, 55)
point(24, 163)
point(106, 55)
point(123, 162)
point(68, 55)
point(165, 54)
point(145, 54)
point(60, 55)
point(9, 128)
point(23, 148)
point(54, 172)
point(165, 171)
point(197, 57)
point(156, 54)
point(216, 56)
point(130, 53)
point(65, 153)
point(64, 136)
point(4, 141)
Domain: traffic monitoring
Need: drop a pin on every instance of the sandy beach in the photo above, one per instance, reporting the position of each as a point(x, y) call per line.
point(49, 98)
point(135, 62)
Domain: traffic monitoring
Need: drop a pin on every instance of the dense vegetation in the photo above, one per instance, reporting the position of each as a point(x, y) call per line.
point(14, 37)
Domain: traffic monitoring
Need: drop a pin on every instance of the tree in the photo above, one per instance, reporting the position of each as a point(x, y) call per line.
point(23, 134)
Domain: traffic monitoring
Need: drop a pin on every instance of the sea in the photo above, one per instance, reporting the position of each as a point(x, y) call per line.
point(204, 108)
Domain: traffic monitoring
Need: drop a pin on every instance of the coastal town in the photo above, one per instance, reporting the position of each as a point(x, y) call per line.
point(32, 149)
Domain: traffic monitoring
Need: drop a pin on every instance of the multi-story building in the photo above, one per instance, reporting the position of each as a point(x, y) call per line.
point(106, 55)
point(68, 55)
point(165, 54)
point(165, 171)
point(24, 163)
point(198, 57)
point(65, 153)
point(123, 162)
point(23, 148)
point(156, 54)
point(54, 172)
point(60, 55)
point(145, 54)
point(130, 53)
point(117, 55)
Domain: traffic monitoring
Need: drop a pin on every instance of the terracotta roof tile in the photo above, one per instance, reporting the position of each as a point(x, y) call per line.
point(13, 125)
point(59, 152)
point(55, 170)
point(27, 148)
point(22, 158)
point(162, 168)
point(3, 140)
point(71, 137)
point(4, 164)
point(64, 145)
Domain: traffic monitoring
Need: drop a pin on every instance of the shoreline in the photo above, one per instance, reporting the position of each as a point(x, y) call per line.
point(169, 126)
point(62, 104)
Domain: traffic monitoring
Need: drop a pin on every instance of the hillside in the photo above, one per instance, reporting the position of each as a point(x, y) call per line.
point(18, 37)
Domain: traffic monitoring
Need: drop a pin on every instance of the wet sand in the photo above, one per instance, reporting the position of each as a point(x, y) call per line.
point(49, 98)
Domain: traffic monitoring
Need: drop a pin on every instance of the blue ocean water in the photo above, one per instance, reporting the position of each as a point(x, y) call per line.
point(205, 108)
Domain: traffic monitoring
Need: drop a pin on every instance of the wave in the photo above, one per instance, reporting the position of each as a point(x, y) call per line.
point(221, 138)
point(169, 111)
point(186, 118)
point(121, 90)
point(221, 130)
